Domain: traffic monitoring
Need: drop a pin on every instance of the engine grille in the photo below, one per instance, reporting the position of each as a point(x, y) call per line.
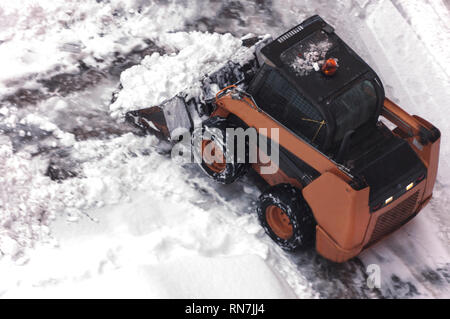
point(394, 218)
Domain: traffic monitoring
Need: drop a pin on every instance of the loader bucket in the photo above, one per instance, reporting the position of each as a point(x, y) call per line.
point(149, 120)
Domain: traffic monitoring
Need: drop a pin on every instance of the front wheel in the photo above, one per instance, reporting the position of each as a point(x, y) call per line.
point(213, 155)
point(286, 217)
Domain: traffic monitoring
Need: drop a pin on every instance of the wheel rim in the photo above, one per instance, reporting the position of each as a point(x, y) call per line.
point(279, 222)
point(213, 156)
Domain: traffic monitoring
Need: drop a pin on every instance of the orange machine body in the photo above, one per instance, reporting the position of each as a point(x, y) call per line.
point(345, 224)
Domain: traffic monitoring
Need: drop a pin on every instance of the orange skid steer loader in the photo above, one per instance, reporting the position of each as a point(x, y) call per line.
point(353, 166)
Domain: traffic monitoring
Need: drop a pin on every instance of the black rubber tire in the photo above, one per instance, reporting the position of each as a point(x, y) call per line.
point(290, 200)
point(233, 169)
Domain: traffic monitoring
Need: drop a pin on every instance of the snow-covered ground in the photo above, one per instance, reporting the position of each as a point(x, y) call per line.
point(129, 222)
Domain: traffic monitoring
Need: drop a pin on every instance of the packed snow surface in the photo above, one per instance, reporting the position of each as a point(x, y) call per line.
point(71, 30)
point(129, 222)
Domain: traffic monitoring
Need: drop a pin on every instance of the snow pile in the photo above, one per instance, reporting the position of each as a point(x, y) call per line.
point(136, 209)
point(312, 59)
point(158, 77)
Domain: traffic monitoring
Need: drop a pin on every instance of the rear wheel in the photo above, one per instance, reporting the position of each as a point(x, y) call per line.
point(212, 152)
point(286, 217)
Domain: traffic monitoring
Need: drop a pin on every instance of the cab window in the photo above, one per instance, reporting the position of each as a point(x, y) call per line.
point(277, 97)
point(354, 108)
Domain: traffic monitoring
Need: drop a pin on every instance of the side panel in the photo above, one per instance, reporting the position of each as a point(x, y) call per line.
point(290, 169)
point(280, 177)
point(341, 211)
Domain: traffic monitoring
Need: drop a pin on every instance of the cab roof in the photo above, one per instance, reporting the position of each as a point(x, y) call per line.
point(298, 53)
